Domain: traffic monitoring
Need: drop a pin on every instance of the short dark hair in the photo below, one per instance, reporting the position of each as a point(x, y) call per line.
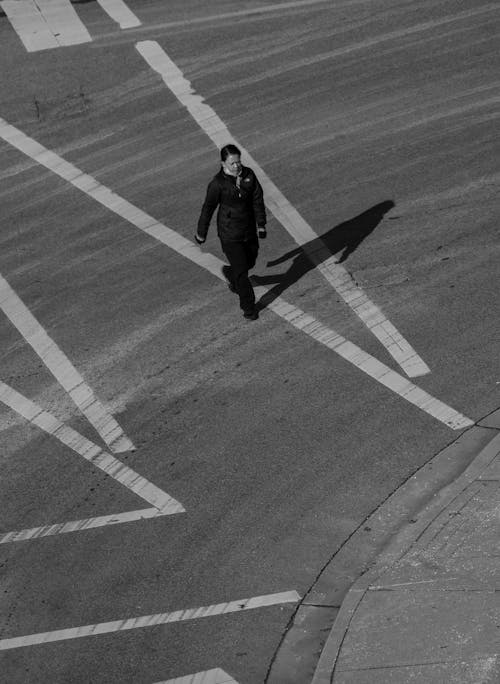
point(227, 150)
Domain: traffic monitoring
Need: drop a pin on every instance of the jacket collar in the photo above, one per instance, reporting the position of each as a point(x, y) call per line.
point(223, 174)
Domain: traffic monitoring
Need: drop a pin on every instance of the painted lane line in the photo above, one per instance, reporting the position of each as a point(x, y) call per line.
point(62, 369)
point(29, 25)
point(119, 12)
point(31, 533)
point(91, 452)
point(151, 620)
point(307, 324)
point(340, 279)
point(216, 676)
point(368, 364)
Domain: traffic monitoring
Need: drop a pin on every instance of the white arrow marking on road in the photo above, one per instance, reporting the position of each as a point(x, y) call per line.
point(62, 369)
point(44, 24)
point(307, 324)
point(216, 676)
point(119, 12)
point(162, 502)
point(151, 620)
point(288, 216)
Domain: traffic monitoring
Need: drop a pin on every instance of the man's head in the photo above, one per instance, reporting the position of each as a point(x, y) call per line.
point(231, 160)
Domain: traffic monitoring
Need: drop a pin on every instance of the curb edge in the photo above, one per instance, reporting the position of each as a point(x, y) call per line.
point(394, 551)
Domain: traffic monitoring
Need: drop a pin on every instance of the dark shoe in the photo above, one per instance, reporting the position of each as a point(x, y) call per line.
point(226, 272)
point(251, 315)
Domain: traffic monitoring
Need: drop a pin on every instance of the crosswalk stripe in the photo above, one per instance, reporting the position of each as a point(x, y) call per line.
point(340, 279)
point(62, 369)
point(45, 24)
point(32, 533)
point(91, 452)
point(29, 24)
point(216, 676)
point(64, 22)
point(119, 12)
point(151, 620)
point(302, 321)
point(367, 363)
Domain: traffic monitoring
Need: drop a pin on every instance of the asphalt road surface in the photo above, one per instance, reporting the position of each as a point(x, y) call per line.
point(158, 452)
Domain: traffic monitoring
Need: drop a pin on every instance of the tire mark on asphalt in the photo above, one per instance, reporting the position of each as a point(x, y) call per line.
point(292, 64)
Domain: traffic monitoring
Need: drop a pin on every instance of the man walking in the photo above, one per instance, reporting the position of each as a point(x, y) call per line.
point(241, 220)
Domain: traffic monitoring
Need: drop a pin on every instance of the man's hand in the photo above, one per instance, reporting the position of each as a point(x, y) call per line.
point(199, 239)
point(262, 232)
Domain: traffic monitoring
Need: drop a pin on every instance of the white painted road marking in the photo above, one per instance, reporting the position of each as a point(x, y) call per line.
point(44, 24)
point(368, 364)
point(64, 22)
point(216, 676)
point(151, 620)
point(307, 324)
point(119, 12)
point(110, 465)
point(62, 369)
point(288, 216)
point(29, 25)
point(31, 533)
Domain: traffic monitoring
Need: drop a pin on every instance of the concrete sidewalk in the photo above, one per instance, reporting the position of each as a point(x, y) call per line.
point(429, 611)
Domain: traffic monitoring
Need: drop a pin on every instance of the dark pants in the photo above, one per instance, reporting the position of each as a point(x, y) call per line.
point(242, 257)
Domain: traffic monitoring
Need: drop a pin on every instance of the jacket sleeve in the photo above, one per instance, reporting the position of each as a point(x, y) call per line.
point(209, 206)
point(259, 209)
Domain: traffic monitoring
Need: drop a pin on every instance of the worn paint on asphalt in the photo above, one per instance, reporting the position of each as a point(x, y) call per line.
point(216, 676)
point(151, 620)
point(162, 502)
point(45, 24)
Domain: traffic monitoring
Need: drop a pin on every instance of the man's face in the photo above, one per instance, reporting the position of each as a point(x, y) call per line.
point(232, 165)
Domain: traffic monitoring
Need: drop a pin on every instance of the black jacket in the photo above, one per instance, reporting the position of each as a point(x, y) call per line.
point(240, 209)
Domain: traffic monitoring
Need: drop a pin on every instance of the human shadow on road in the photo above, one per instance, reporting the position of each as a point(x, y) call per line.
point(344, 239)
